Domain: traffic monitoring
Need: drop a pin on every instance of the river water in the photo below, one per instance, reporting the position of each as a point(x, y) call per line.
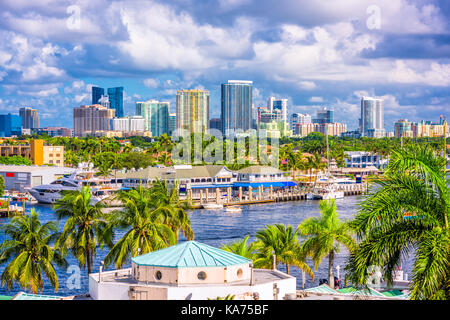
point(215, 228)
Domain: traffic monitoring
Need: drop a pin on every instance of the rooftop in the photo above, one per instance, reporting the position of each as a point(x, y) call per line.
point(190, 254)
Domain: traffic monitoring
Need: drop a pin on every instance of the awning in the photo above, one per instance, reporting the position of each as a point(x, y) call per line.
point(207, 186)
point(276, 184)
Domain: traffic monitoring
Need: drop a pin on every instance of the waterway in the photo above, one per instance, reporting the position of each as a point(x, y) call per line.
point(215, 228)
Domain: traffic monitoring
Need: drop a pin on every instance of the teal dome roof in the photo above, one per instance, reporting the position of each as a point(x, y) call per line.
point(190, 254)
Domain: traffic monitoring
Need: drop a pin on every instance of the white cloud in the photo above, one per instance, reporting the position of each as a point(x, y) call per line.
point(316, 99)
point(151, 83)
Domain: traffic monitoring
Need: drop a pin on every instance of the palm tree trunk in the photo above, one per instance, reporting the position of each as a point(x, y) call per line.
point(88, 260)
point(287, 268)
point(330, 269)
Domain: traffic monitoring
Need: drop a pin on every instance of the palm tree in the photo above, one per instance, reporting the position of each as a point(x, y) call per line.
point(279, 241)
point(147, 230)
point(241, 248)
point(415, 184)
point(31, 254)
point(85, 228)
point(325, 235)
point(318, 164)
point(173, 211)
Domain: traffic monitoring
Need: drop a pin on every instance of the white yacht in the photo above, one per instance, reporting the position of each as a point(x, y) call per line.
point(49, 193)
point(212, 206)
point(325, 193)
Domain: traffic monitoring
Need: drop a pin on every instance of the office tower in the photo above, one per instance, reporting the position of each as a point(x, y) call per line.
point(324, 116)
point(298, 118)
point(89, 119)
point(115, 96)
point(97, 93)
point(30, 118)
point(193, 110)
point(156, 115)
point(402, 128)
point(236, 105)
point(10, 125)
point(278, 105)
point(372, 116)
point(172, 123)
point(128, 124)
point(215, 123)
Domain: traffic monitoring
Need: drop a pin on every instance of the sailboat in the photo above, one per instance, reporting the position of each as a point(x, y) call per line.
point(330, 191)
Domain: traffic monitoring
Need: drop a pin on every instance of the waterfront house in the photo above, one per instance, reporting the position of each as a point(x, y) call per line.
point(190, 271)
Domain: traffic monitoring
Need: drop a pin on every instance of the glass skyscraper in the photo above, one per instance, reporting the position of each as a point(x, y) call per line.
point(156, 115)
point(193, 110)
point(372, 116)
point(115, 96)
point(324, 116)
point(10, 125)
point(97, 93)
point(278, 106)
point(172, 122)
point(236, 105)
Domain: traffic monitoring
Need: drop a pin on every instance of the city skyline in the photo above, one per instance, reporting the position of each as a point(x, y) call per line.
point(396, 50)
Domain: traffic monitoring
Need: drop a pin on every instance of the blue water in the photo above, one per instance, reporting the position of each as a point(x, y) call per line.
point(216, 228)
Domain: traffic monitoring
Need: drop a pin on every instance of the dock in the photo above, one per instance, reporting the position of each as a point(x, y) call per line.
point(259, 196)
point(12, 210)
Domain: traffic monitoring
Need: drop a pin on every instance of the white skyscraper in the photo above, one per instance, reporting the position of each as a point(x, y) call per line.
point(372, 117)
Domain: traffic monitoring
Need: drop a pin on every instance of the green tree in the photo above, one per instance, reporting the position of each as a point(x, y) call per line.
point(86, 226)
point(414, 184)
point(30, 253)
point(325, 235)
point(147, 231)
point(280, 241)
point(2, 185)
point(242, 248)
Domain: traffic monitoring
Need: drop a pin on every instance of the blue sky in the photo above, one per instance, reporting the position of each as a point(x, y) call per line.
point(314, 53)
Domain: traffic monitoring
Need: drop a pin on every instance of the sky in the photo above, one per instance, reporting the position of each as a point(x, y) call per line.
point(322, 53)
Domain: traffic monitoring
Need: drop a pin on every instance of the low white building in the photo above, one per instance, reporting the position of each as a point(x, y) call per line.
point(191, 271)
point(128, 124)
point(363, 159)
point(18, 178)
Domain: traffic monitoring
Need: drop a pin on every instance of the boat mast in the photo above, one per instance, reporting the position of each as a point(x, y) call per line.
point(328, 158)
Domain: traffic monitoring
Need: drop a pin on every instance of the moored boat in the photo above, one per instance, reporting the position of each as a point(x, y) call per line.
point(212, 206)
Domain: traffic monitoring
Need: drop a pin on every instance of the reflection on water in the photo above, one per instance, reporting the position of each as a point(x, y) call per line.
point(217, 227)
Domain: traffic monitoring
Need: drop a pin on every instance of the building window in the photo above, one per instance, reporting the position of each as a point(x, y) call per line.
point(201, 275)
point(51, 161)
point(158, 275)
point(58, 161)
point(239, 273)
point(50, 155)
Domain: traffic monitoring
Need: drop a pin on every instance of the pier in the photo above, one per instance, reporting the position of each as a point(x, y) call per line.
point(263, 195)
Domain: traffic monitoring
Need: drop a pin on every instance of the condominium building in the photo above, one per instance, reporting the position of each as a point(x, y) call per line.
point(215, 123)
point(30, 118)
point(172, 123)
point(331, 129)
point(156, 116)
point(298, 118)
point(36, 152)
point(193, 110)
point(405, 128)
point(372, 115)
point(402, 128)
point(279, 105)
point(236, 105)
point(89, 119)
point(128, 124)
point(97, 93)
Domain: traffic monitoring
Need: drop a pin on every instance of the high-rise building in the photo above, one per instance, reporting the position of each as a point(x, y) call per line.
point(372, 115)
point(172, 123)
point(10, 125)
point(215, 123)
point(193, 110)
point(156, 115)
point(324, 116)
point(115, 96)
point(402, 128)
point(97, 93)
point(30, 118)
point(236, 105)
point(128, 124)
point(298, 118)
point(89, 119)
point(279, 105)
